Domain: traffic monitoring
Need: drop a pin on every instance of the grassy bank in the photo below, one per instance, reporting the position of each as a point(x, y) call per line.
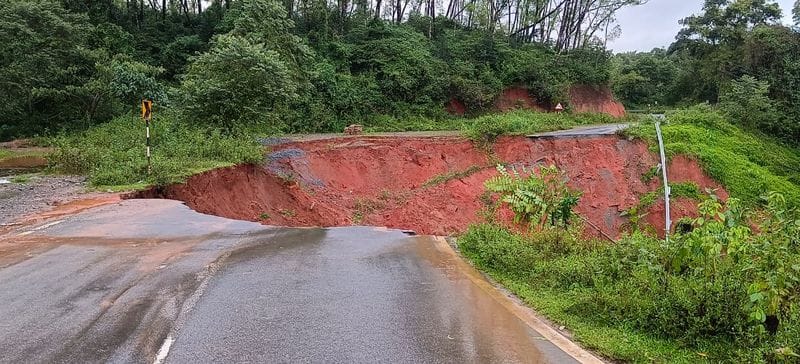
point(630, 301)
point(113, 154)
point(746, 163)
point(487, 128)
point(727, 290)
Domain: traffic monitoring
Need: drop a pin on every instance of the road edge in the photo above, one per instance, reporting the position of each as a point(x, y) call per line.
point(524, 313)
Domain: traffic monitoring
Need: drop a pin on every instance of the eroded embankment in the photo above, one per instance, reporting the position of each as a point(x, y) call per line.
point(429, 185)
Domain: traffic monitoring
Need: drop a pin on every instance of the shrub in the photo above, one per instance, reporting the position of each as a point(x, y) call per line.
point(746, 102)
point(723, 290)
point(537, 198)
point(114, 153)
point(237, 83)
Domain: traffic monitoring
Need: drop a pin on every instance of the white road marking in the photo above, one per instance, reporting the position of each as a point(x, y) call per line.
point(164, 351)
point(45, 226)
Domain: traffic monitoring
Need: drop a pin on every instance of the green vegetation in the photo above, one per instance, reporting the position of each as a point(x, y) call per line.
point(539, 198)
point(722, 292)
point(285, 66)
point(735, 53)
point(747, 164)
point(446, 177)
point(114, 153)
point(487, 128)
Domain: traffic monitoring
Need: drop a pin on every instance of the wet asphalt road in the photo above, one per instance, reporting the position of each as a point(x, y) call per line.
point(145, 281)
point(584, 131)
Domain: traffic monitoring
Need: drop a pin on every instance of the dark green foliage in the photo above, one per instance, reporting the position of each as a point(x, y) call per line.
point(44, 66)
point(72, 64)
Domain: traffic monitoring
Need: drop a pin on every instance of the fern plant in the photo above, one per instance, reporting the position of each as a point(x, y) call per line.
point(538, 199)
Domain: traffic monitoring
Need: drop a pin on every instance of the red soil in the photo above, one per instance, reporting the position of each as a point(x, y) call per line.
point(381, 182)
point(456, 107)
point(582, 99)
point(601, 100)
point(517, 98)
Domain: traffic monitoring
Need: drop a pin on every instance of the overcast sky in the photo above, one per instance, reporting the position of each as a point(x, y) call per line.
point(655, 24)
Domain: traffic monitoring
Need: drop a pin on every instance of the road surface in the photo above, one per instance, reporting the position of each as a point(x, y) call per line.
point(151, 281)
point(584, 131)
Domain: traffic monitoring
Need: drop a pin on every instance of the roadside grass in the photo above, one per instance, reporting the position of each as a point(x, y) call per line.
point(449, 176)
point(113, 154)
point(746, 163)
point(488, 127)
point(23, 178)
point(616, 299)
point(485, 129)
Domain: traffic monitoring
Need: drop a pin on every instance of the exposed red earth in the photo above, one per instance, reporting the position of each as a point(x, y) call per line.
point(386, 181)
point(519, 98)
point(582, 99)
point(591, 99)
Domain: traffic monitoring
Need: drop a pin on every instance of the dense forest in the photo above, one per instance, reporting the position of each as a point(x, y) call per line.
point(300, 65)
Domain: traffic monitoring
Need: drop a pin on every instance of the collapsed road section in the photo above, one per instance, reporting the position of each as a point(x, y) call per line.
point(431, 185)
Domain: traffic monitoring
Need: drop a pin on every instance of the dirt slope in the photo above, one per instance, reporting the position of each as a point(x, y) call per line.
point(387, 182)
point(582, 99)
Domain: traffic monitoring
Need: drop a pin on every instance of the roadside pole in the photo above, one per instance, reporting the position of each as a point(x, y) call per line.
point(667, 222)
point(147, 115)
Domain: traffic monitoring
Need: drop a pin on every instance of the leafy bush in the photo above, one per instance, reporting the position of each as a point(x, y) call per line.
point(237, 83)
point(114, 154)
point(537, 198)
point(723, 292)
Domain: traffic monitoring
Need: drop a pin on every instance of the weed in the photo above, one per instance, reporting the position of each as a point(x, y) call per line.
point(21, 179)
point(358, 217)
point(452, 175)
point(287, 213)
point(367, 206)
point(385, 195)
point(264, 216)
point(539, 199)
point(651, 174)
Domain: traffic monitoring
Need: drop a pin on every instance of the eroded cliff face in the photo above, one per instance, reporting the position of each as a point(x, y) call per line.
point(582, 99)
point(429, 185)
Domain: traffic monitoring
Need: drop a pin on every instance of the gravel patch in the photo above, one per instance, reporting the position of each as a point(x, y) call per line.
point(36, 194)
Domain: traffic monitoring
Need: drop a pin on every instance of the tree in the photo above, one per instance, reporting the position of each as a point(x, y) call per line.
point(44, 67)
point(237, 83)
point(745, 101)
point(715, 39)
